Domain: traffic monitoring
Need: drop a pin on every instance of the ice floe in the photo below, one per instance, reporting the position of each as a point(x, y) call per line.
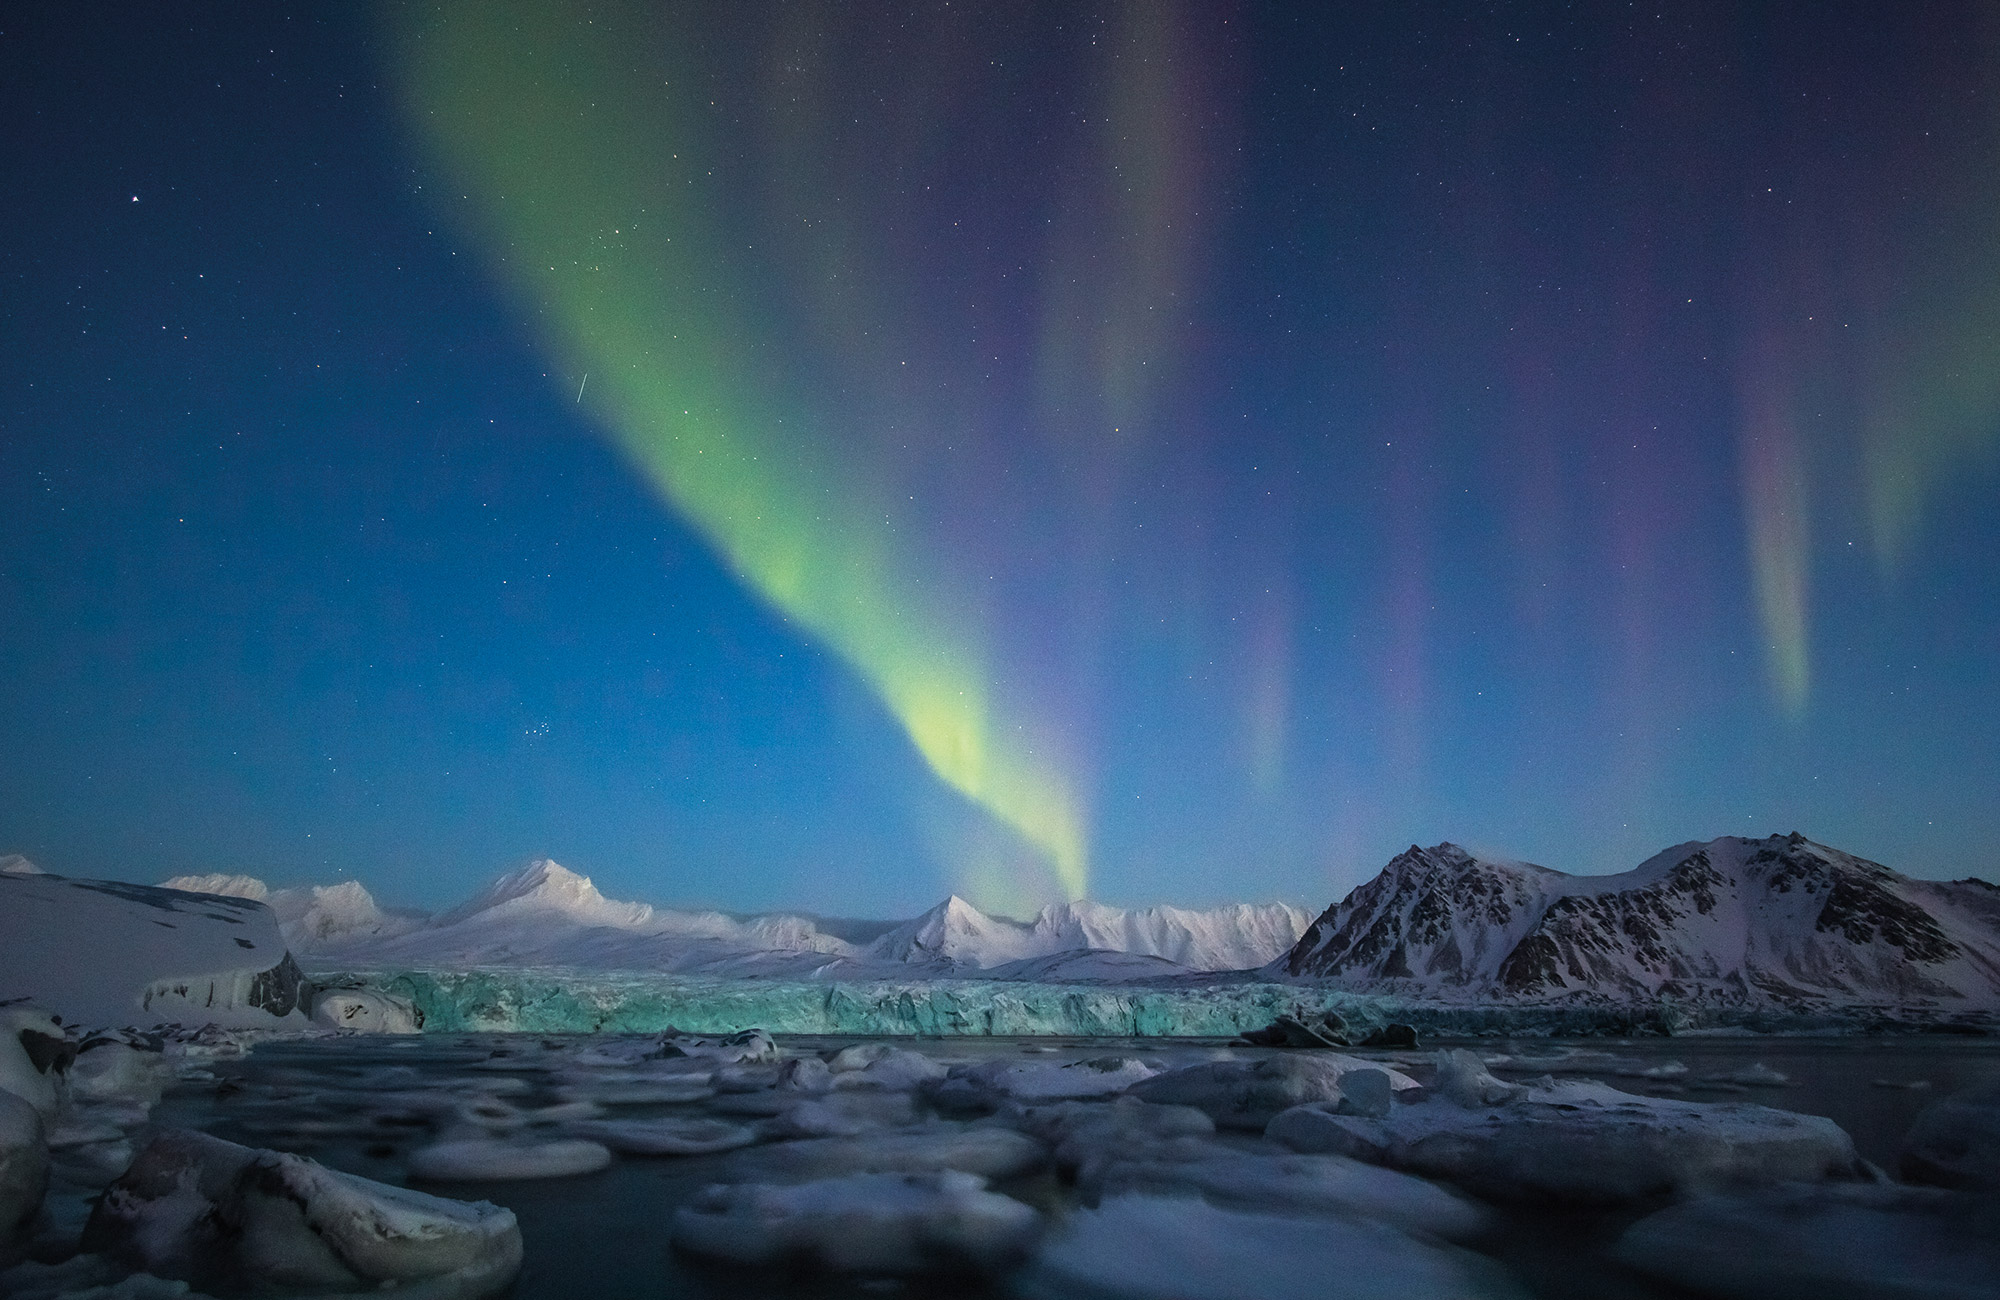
point(209, 1212)
point(665, 1137)
point(990, 1152)
point(1249, 1094)
point(1956, 1141)
point(1841, 1242)
point(1150, 1248)
point(1578, 1141)
point(874, 1223)
point(24, 1163)
point(466, 1158)
point(1298, 1185)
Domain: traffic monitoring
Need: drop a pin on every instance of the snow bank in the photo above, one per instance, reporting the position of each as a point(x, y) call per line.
point(101, 952)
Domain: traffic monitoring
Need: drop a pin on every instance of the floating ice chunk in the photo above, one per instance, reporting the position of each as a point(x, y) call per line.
point(1042, 1081)
point(1085, 1135)
point(24, 1162)
point(873, 1223)
point(733, 1049)
point(813, 1119)
point(1956, 1141)
point(897, 1069)
point(1145, 1248)
point(107, 1070)
point(665, 1137)
point(483, 1159)
point(196, 1208)
point(1754, 1075)
point(88, 1277)
point(1248, 1094)
point(1462, 1080)
point(366, 1011)
point(1367, 1092)
point(988, 1152)
point(746, 1078)
point(1282, 1184)
point(857, 1057)
point(805, 1074)
point(1853, 1242)
point(1580, 1142)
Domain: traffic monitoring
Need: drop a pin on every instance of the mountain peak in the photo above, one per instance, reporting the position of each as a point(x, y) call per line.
point(1779, 919)
point(221, 883)
point(545, 885)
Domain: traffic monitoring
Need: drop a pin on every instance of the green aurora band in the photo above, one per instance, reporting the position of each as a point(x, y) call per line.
point(583, 173)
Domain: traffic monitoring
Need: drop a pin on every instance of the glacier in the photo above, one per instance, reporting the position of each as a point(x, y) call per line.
point(569, 1001)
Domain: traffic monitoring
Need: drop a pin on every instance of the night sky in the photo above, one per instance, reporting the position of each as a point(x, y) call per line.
point(827, 455)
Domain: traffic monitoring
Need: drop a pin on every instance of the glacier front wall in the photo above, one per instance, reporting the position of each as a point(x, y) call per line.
point(577, 1002)
point(571, 1002)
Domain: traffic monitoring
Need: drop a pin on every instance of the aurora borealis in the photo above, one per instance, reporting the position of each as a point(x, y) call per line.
point(825, 455)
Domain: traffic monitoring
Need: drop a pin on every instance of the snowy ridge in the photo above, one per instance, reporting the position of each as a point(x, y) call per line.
point(1780, 921)
point(545, 915)
point(312, 917)
point(1241, 936)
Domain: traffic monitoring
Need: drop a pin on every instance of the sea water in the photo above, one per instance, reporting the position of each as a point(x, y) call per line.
point(606, 1234)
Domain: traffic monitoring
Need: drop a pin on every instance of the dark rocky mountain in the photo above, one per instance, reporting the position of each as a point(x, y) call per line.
point(1782, 921)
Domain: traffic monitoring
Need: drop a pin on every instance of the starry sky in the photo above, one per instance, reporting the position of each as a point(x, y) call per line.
point(824, 455)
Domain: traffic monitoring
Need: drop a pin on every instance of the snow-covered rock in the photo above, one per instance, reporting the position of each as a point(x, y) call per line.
point(1956, 1142)
point(102, 952)
point(873, 1223)
point(200, 1209)
point(1249, 1094)
point(14, 864)
point(1579, 1142)
point(1780, 921)
point(1854, 1242)
point(1148, 1248)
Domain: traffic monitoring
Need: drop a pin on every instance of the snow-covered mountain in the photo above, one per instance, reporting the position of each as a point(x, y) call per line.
point(312, 917)
point(1237, 937)
point(547, 915)
point(1781, 920)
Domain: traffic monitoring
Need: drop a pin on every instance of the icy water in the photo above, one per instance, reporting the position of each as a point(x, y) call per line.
point(605, 1234)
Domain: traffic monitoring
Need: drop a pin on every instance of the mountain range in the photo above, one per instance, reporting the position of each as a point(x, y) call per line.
point(547, 915)
point(1781, 921)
